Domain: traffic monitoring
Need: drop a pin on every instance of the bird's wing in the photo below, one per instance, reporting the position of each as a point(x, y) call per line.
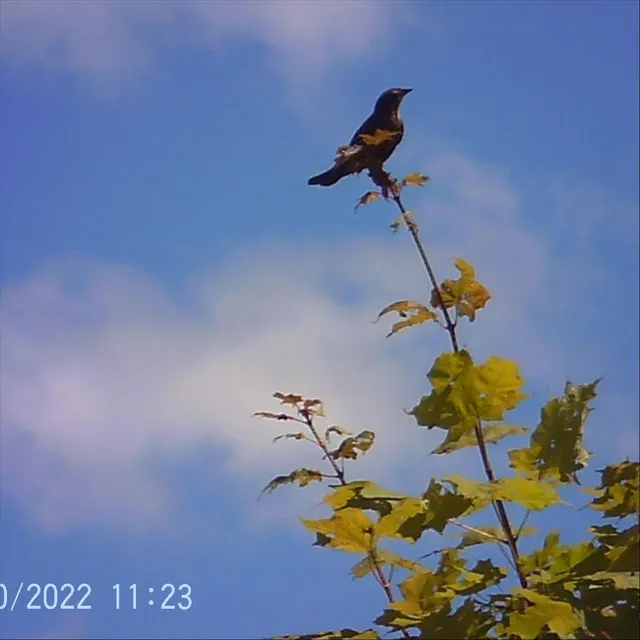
point(366, 127)
point(351, 159)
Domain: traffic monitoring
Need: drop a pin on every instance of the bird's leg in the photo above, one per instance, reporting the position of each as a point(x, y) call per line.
point(383, 179)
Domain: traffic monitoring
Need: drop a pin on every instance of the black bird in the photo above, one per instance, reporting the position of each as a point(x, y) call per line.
point(359, 155)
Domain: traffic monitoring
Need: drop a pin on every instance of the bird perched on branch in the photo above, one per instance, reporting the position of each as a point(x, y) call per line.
point(372, 143)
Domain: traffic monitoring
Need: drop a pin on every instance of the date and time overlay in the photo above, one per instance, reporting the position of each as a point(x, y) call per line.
point(49, 596)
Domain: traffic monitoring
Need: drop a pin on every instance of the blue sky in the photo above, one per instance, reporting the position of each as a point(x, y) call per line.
point(164, 269)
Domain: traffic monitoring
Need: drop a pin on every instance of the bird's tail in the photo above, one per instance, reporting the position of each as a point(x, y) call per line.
point(329, 177)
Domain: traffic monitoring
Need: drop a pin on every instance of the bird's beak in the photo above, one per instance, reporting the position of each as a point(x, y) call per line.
point(405, 91)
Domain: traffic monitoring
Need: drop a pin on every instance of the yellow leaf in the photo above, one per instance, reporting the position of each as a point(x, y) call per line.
point(341, 431)
point(288, 436)
point(305, 406)
point(302, 476)
point(465, 269)
point(348, 530)
point(395, 225)
point(368, 197)
point(465, 294)
point(314, 404)
point(414, 312)
point(499, 382)
point(415, 178)
point(272, 416)
point(288, 398)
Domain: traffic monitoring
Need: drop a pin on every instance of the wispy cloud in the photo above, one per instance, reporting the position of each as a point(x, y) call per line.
point(101, 368)
point(119, 40)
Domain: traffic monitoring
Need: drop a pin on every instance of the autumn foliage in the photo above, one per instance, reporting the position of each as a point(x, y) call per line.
point(588, 589)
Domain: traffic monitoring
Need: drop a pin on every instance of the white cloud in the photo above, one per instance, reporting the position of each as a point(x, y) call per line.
point(102, 37)
point(101, 370)
point(98, 368)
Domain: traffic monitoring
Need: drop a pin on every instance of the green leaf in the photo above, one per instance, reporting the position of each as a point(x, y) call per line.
point(467, 621)
point(564, 568)
point(464, 394)
point(555, 450)
point(624, 556)
point(364, 440)
point(619, 580)
point(477, 493)
point(428, 593)
point(351, 634)
point(425, 592)
point(410, 517)
point(620, 547)
point(490, 576)
point(442, 505)
point(400, 616)
point(531, 494)
point(406, 520)
point(559, 617)
point(439, 408)
point(617, 494)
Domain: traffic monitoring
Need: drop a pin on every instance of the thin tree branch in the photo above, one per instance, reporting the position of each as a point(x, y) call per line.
point(479, 532)
point(390, 185)
point(379, 574)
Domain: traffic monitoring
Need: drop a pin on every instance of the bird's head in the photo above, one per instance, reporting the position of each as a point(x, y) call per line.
point(390, 99)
